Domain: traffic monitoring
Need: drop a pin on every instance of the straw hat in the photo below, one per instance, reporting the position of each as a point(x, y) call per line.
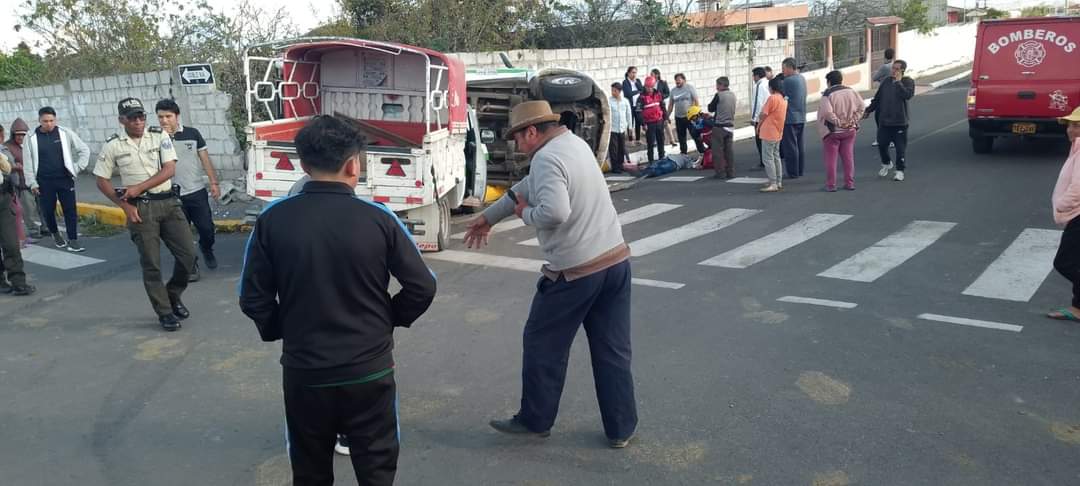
point(527, 114)
point(1074, 117)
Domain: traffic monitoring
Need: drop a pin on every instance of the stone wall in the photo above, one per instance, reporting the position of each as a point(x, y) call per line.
point(701, 63)
point(88, 106)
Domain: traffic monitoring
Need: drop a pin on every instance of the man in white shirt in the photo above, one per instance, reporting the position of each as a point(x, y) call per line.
point(757, 101)
point(621, 118)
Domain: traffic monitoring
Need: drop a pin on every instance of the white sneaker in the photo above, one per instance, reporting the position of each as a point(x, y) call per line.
point(874, 144)
point(885, 168)
point(892, 145)
point(341, 445)
point(899, 177)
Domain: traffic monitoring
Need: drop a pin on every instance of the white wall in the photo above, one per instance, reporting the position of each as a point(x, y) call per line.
point(701, 63)
point(88, 106)
point(944, 48)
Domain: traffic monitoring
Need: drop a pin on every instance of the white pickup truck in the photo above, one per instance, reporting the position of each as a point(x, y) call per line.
point(409, 102)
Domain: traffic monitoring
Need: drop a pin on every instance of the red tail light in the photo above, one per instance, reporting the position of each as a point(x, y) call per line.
point(971, 99)
point(283, 162)
point(396, 169)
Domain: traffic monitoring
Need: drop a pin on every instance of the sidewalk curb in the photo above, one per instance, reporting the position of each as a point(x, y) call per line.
point(951, 79)
point(114, 216)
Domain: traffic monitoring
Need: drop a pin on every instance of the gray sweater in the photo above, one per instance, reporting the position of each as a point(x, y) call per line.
point(569, 204)
point(795, 91)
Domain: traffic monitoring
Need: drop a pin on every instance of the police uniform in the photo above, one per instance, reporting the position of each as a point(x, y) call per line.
point(11, 263)
point(159, 208)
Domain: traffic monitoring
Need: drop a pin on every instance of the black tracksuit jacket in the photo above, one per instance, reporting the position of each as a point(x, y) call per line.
point(316, 274)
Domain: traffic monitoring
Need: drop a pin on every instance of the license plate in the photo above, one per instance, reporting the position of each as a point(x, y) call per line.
point(1023, 128)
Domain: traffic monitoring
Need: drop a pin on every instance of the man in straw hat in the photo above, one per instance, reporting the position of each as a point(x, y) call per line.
point(586, 280)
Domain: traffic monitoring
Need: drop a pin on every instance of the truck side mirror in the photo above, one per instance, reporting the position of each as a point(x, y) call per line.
point(487, 136)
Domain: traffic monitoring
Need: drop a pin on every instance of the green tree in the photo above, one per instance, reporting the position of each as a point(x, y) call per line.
point(1037, 11)
point(993, 13)
point(21, 68)
point(915, 14)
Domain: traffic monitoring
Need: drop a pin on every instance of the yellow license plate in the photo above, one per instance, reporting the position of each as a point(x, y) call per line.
point(1023, 128)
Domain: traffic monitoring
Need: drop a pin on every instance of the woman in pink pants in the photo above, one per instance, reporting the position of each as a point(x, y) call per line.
point(839, 113)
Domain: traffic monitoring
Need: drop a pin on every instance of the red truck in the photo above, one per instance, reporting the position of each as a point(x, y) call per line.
point(1026, 74)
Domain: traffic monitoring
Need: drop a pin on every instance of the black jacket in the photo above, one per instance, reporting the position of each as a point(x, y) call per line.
point(316, 274)
point(890, 102)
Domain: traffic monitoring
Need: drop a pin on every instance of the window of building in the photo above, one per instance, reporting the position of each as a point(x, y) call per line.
point(757, 34)
point(781, 31)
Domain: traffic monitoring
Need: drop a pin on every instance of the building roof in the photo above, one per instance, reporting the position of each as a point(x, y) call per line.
point(879, 21)
point(752, 15)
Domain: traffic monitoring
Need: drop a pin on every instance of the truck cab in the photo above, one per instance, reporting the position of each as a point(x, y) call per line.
point(408, 101)
point(1026, 74)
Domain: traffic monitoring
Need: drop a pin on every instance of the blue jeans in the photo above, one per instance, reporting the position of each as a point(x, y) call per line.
point(601, 302)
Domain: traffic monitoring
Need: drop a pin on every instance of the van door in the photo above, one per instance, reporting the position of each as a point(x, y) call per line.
point(1027, 69)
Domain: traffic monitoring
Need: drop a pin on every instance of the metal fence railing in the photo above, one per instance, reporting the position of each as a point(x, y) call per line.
point(811, 53)
point(848, 49)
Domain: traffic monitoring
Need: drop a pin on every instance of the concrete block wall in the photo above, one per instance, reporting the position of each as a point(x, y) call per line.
point(88, 106)
point(702, 63)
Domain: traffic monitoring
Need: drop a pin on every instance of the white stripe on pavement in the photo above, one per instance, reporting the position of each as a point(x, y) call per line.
point(504, 225)
point(524, 265)
point(619, 178)
point(632, 216)
point(971, 322)
point(62, 259)
point(690, 231)
point(748, 180)
point(770, 245)
point(822, 302)
point(1017, 274)
point(870, 264)
point(682, 178)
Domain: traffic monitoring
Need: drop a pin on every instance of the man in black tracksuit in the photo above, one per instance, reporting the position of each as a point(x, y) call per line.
point(316, 275)
point(890, 103)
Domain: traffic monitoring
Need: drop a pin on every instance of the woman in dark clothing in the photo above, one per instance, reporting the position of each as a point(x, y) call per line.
point(632, 87)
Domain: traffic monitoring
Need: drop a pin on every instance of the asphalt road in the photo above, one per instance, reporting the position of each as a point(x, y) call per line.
point(734, 386)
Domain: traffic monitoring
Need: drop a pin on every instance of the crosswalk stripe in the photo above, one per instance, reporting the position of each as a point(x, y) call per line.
point(64, 260)
point(504, 225)
point(1017, 274)
point(524, 265)
point(632, 216)
point(682, 178)
point(963, 321)
point(690, 231)
point(770, 245)
point(619, 178)
point(822, 302)
point(748, 180)
point(877, 260)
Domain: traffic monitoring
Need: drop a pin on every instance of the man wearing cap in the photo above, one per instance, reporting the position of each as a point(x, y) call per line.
point(146, 161)
point(31, 216)
point(586, 280)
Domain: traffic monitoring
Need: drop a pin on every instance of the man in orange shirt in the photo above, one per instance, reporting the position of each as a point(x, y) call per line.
point(770, 129)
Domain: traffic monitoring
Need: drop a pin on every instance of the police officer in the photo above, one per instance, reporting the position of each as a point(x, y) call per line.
point(11, 262)
point(146, 161)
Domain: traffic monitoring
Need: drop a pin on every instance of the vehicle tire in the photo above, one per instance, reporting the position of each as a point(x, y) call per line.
point(565, 88)
point(982, 145)
point(444, 224)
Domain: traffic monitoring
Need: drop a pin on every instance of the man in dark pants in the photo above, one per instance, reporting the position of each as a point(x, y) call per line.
point(723, 110)
point(146, 161)
point(587, 279)
point(757, 101)
point(192, 159)
point(53, 157)
point(792, 149)
point(12, 263)
point(321, 285)
point(683, 96)
point(890, 105)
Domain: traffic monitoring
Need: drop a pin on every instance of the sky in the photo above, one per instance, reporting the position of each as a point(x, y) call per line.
point(307, 14)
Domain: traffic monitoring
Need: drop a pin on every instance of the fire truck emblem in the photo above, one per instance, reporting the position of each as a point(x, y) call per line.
point(1058, 101)
point(1030, 54)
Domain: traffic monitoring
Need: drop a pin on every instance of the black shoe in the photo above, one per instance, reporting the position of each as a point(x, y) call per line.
point(22, 290)
point(169, 322)
point(5, 287)
point(211, 260)
point(180, 311)
point(513, 427)
point(342, 445)
point(194, 275)
point(620, 443)
point(59, 240)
